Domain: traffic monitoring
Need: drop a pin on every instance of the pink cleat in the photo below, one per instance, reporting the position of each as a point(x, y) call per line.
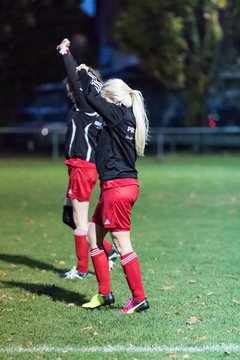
point(135, 306)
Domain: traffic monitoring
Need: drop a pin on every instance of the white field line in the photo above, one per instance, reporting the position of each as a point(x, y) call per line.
point(229, 348)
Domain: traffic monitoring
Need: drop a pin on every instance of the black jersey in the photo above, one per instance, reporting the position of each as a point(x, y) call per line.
point(115, 152)
point(84, 124)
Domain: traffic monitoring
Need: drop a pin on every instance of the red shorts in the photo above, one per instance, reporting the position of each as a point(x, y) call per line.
point(113, 211)
point(81, 182)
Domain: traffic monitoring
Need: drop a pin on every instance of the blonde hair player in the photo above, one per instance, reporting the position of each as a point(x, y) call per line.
point(123, 138)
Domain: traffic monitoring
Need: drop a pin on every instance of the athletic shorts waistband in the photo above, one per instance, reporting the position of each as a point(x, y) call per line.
point(107, 184)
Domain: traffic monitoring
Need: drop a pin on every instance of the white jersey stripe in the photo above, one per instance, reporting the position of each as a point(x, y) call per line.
point(97, 84)
point(89, 151)
point(91, 114)
point(72, 137)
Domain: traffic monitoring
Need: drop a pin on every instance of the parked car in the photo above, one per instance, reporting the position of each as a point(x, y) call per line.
point(224, 101)
point(44, 111)
point(224, 115)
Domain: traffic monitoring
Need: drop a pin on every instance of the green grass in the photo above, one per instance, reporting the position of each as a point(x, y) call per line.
point(185, 230)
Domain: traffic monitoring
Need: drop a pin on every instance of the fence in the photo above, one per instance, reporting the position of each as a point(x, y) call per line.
point(199, 139)
point(54, 137)
point(196, 138)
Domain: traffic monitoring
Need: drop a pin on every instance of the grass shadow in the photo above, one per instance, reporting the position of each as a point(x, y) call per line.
point(56, 293)
point(25, 260)
point(32, 263)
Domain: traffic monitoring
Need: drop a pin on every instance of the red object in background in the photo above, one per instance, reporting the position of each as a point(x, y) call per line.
point(212, 123)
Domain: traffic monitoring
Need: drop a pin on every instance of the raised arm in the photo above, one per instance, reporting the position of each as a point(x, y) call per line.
point(70, 65)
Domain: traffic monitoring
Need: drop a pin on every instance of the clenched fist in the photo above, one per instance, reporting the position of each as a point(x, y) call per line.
point(64, 45)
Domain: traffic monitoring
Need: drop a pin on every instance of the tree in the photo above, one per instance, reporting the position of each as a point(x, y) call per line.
point(151, 30)
point(30, 31)
point(177, 41)
point(231, 32)
point(202, 32)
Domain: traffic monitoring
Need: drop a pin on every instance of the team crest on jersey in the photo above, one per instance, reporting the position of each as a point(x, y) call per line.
point(131, 129)
point(130, 133)
point(99, 124)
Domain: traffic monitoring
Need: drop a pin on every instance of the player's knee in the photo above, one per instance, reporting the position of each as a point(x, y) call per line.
point(122, 241)
point(67, 216)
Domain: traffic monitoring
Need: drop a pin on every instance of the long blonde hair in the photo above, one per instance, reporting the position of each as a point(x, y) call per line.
point(119, 92)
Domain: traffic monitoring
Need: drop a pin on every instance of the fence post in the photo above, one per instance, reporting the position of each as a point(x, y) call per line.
point(55, 146)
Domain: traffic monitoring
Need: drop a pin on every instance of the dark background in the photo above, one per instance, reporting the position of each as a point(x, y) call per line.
point(171, 67)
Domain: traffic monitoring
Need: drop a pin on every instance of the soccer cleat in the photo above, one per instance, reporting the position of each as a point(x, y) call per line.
point(75, 274)
point(134, 306)
point(100, 300)
point(112, 257)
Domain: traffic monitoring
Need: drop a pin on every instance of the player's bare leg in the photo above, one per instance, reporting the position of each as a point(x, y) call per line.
point(80, 217)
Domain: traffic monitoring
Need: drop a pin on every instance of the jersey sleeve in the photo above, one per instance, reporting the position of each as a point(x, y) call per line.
point(70, 65)
point(112, 113)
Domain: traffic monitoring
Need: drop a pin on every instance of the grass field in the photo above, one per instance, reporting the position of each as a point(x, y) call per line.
point(186, 226)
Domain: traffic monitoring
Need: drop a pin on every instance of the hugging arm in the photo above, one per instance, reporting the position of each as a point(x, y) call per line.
point(112, 113)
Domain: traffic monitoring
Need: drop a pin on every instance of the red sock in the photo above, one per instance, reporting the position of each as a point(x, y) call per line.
point(101, 267)
point(131, 268)
point(107, 246)
point(82, 250)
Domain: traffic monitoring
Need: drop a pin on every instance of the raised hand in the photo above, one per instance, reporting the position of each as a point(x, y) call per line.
point(63, 45)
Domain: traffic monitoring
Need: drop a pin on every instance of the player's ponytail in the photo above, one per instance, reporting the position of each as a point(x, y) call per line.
point(142, 124)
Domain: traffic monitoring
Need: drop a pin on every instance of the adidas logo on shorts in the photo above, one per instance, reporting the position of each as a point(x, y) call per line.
point(107, 222)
